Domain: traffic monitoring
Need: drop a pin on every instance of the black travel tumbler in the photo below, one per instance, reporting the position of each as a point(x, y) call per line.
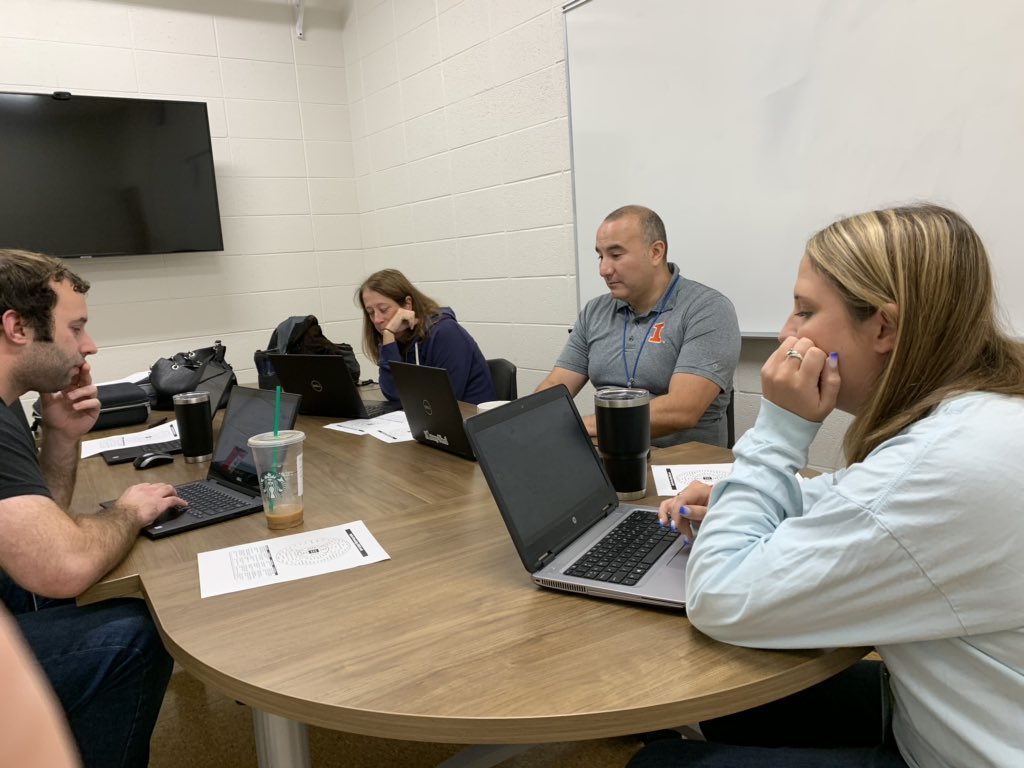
point(624, 437)
point(195, 425)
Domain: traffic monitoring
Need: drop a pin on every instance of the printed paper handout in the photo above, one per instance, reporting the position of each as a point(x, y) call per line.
point(669, 479)
point(390, 428)
point(160, 434)
point(287, 558)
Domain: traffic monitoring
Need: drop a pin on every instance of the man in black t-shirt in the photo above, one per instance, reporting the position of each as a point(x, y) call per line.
point(105, 661)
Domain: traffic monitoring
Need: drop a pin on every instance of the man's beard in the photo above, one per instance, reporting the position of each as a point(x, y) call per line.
point(46, 369)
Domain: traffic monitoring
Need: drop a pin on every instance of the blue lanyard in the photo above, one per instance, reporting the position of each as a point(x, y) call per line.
point(630, 380)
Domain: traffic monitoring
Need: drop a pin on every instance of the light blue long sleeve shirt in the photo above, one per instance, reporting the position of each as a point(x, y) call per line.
point(918, 550)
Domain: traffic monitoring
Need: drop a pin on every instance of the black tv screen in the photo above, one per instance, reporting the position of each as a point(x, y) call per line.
point(96, 176)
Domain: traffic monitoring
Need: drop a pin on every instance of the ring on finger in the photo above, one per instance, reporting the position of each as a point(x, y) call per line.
point(794, 353)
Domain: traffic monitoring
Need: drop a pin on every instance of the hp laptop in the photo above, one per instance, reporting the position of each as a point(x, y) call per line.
point(431, 408)
point(561, 509)
point(326, 387)
point(231, 488)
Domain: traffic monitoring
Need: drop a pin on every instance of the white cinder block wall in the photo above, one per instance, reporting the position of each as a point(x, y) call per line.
point(282, 149)
point(461, 149)
point(427, 135)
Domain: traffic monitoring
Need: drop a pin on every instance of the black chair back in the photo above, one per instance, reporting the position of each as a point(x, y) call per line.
point(503, 374)
point(730, 418)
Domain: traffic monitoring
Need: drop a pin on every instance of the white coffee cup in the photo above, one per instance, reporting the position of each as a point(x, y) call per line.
point(492, 404)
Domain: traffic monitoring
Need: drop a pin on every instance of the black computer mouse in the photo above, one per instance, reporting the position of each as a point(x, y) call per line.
point(147, 460)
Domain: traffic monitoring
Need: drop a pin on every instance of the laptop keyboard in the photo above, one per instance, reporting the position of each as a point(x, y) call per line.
point(206, 500)
point(376, 408)
point(627, 551)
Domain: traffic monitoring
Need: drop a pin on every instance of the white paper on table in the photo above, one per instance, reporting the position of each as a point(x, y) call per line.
point(131, 378)
point(669, 479)
point(287, 558)
point(162, 434)
point(392, 427)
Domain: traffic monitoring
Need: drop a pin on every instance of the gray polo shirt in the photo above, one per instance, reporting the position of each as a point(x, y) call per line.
point(696, 332)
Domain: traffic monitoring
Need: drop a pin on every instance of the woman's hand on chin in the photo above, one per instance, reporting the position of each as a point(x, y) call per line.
point(802, 378)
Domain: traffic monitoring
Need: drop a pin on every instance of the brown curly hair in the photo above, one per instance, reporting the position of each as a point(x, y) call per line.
point(26, 280)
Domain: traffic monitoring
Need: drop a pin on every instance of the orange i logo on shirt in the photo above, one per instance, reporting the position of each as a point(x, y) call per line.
point(655, 337)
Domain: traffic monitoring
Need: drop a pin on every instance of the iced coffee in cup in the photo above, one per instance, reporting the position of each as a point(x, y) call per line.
point(278, 461)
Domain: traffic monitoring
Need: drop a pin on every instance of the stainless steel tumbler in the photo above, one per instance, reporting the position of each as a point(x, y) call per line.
point(624, 437)
point(195, 425)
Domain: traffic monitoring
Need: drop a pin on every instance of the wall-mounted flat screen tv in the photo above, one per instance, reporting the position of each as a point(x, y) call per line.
point(97, 176)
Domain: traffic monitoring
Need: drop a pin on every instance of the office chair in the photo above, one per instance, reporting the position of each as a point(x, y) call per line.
point(730, 418)
point(503, 374)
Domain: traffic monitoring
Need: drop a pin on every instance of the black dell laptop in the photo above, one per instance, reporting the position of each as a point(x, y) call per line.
point(431, 408)
point(231, 488)
point(326, 387)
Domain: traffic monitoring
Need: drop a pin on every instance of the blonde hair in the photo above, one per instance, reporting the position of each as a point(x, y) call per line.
point(930, 263)
point(395, 286)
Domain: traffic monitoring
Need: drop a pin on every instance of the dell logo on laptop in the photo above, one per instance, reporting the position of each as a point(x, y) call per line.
point(316, 386)
point(428, 409)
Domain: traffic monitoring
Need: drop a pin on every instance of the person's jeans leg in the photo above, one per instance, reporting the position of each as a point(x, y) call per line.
point(678, 753)
point(14, 598)
point(842, 711)
point(109, 669)
point(837, 723)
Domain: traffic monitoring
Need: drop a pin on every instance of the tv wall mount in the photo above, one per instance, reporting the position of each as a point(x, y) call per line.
point(299, 11)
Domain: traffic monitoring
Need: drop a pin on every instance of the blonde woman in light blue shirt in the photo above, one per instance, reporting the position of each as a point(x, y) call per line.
point(916, 547)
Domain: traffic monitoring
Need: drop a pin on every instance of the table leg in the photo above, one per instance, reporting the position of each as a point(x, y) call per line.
point(484, 755)
point(280, 743)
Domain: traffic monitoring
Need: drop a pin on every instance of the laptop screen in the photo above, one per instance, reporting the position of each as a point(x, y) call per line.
point(249, 412)
point(542, 470)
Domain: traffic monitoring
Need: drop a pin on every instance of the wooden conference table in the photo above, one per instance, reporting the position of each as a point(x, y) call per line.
point(448, 641)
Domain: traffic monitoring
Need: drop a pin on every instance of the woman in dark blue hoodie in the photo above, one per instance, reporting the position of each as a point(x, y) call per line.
point(402, 324)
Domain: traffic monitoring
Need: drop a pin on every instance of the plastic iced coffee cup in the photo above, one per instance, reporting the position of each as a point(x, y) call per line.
point(278, 460)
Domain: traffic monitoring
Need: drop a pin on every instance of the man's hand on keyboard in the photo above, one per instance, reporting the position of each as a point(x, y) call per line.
point(147, 501)
point(686, 509)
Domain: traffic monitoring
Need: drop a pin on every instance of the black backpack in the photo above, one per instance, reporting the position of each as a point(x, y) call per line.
point(300, 335)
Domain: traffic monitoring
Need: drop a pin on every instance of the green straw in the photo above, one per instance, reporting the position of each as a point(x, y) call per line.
point(277, 428)
point(277, 410)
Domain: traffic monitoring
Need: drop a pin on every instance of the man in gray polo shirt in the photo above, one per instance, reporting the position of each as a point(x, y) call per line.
point(655, 330)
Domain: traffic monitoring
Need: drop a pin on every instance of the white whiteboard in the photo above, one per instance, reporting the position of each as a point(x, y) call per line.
point(749, 125)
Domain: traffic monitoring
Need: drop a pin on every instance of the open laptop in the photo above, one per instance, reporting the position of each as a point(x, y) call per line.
point(326, 387)
point(558, 503)
point(231, 488)
point(431, 408)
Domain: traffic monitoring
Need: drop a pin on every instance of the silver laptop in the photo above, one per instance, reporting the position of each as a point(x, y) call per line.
point(326, 387)
point(561, 509)
point(431, 408)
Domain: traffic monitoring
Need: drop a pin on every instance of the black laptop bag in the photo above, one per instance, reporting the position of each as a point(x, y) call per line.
point(121, 405)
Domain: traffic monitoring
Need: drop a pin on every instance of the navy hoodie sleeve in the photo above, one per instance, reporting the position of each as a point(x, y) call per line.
point(451, 347)
point(388, 353)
